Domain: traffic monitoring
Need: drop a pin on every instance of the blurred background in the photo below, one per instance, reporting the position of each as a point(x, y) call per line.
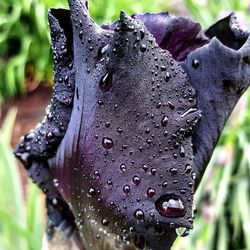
point(223, 198)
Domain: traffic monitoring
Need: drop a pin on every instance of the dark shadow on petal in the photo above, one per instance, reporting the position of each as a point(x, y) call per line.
point(228, 32)
point(63, 18)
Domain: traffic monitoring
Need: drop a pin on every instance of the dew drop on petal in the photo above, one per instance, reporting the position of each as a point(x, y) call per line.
point(106, 82)
point(136, 180)
point(164, 121)
point(195, 63)
point(123, 168)
point(92, 191)
point(107, 143)
point(150, 192)
point(188, 169)
point(126, 189)
point(182, 231)
point(143, 48)
point(138, 214)
point(168, 206)
point(105, 222)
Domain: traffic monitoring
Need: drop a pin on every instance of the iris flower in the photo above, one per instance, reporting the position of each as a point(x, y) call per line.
point(137, 109)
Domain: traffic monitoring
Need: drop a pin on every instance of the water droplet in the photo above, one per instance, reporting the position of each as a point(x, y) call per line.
point(164, 184)
point(194, 175)
point(106, 82)
point(182, 231)
point(163, 68)
point(148, 141)
point(153, 171)
point(150, 192)
point(170, 206)
point(91, 191)
point(189, 111)
point(123, 168)
point(29, 136)
point(55, 182)
point(183, 191)
point(164, 121)
point(126, 189)
point(105, 222)
point(173, 170)
point(107, 143)
point(139, 215)
point(195, 63)
point(188, 169)
point(182, 151)
point(107, 124)
point(143, 48)
point(136, 180)
point(50, 135)
point(102, 51)
point(145, 167)
point(167, 77)
point(171, 105)
point(119, 130)
point(158, 105)
point(97, 174)
point(110, 182)
point(152, 215)
point(81, 35)
point(132, 230)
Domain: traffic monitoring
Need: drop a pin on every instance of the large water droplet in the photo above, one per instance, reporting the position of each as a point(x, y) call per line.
point(106, 82)
point(139, 215)
point(107, 143)
point(150, 192)
point(182, 231)
point(170, 206)
point(195, 63)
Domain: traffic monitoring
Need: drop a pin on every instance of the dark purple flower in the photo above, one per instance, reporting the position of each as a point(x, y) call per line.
point(122, 146)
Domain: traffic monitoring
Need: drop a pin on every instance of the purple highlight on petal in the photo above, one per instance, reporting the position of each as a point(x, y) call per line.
point(178, 35)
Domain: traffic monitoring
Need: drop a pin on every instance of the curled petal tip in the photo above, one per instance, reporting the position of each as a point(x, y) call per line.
point(78, 6)
point(123, 15)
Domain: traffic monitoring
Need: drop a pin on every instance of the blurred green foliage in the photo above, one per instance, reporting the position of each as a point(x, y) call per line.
point(21, 219)
point(207, 11)
point(25, 52)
